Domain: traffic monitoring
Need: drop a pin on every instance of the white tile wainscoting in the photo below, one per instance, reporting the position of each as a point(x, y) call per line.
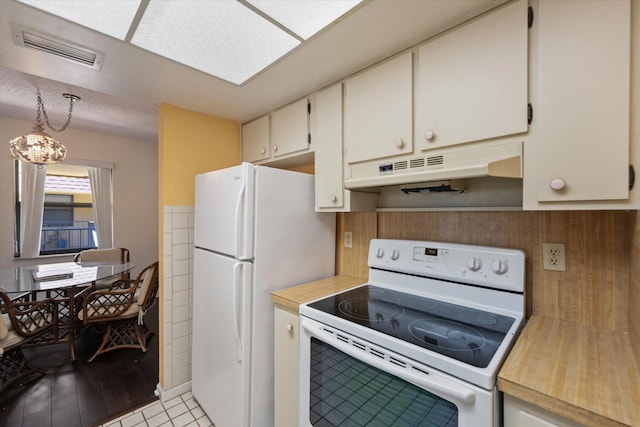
point(177, 297)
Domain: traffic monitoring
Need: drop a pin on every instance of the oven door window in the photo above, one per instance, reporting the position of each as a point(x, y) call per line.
point(346, 391)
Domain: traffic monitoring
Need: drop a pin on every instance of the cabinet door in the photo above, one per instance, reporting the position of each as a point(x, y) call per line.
point(471, 83)
point(286, 359)
point(290, 129)
point(518, 413)
point(582, 112)
point(255, 140)
point(377, 111)
point(328, 151)
point(329, 161)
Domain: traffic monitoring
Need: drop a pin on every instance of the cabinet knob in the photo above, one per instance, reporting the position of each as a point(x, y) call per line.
point(275, 148)
point(557, 184)
point(399, 143)
point(263, 151)
point(333, 198)
point(289, 327)
point(429, 135)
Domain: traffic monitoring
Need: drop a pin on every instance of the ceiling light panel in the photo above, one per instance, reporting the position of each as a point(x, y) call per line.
point(111, 17)
point(221, 38)
point(304, 17)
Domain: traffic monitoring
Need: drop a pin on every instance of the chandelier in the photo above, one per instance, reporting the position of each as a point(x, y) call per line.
point(37, 146)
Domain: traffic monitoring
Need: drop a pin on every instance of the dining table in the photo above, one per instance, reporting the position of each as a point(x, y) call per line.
point(65, 282)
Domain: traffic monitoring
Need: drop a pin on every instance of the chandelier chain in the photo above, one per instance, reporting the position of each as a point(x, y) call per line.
point(44, 112)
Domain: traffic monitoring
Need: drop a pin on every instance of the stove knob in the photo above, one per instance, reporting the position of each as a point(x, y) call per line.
point(379, 253)
point(499, 267)
point(474, 263)
point(395, 254)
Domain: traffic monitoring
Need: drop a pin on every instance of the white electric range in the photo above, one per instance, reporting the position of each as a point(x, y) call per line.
point(420, 344)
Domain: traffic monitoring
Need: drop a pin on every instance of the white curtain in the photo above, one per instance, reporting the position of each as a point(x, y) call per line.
point(31, 209)
point(102, 197)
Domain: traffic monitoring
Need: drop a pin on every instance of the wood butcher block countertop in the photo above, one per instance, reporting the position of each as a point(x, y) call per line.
point(291, 298)
point(584, 374)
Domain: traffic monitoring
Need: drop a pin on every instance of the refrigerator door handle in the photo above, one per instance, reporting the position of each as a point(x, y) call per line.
point(239, 230)
point(237, 300)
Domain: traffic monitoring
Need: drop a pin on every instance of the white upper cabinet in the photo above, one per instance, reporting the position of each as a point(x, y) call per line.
point(470, 88)
point(328, 152)
point(377, 111)
point(255, 140)
point(583, 95)
point(290, 128)
point(281, 134)
point(329, 161)
point(471, 83)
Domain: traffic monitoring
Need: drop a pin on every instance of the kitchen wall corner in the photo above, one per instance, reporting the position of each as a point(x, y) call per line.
point(364, 227)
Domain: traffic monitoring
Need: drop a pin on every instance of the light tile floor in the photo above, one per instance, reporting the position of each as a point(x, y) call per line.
point(182, 411)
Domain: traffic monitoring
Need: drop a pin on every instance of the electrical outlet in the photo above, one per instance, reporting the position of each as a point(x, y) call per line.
point(553, 257)
point(348, 239)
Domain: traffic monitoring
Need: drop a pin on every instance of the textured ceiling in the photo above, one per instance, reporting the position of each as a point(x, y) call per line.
point(122, 97)
point(95, 111)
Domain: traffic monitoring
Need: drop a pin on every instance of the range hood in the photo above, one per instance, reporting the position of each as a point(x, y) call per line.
point(504, 160)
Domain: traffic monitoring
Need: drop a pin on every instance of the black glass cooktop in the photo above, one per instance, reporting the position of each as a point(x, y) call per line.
point(465, 334)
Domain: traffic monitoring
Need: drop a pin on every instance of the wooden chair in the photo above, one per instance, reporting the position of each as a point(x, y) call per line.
point(102, 255)
point(121, 309)
point(20, 323)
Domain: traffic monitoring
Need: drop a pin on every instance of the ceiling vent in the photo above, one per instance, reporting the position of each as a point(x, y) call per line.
point(31, 39)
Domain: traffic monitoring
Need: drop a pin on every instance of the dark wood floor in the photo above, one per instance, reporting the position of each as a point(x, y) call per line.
point(80, 393)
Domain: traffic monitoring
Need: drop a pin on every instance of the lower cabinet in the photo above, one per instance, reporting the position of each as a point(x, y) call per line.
point(518, 413)
point(286, 357)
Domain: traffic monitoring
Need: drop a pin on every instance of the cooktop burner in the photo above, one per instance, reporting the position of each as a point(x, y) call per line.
point(465, 334)
point(370, 309)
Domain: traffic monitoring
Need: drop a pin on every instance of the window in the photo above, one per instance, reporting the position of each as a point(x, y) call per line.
point(66, 226)
point(61, 218)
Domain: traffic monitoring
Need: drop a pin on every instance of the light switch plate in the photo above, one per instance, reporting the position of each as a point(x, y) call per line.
point(348, 239)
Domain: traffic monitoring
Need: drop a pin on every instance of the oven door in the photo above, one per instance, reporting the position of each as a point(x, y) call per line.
point(348, 381)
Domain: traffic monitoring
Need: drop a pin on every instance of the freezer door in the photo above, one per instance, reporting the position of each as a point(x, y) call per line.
point(221, 345)
point(224, 211)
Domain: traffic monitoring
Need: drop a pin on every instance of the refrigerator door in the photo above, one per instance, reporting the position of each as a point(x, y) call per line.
point(221, 345)
point(294, 244)
point(224, 211)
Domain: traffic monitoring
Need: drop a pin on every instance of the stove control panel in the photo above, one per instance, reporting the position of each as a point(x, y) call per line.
point(430, 254)
point(481, 265)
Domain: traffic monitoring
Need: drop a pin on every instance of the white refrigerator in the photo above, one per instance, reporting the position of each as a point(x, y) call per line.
point(256, 231)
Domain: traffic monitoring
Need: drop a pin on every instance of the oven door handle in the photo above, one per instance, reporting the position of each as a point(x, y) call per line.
point(424, 381)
